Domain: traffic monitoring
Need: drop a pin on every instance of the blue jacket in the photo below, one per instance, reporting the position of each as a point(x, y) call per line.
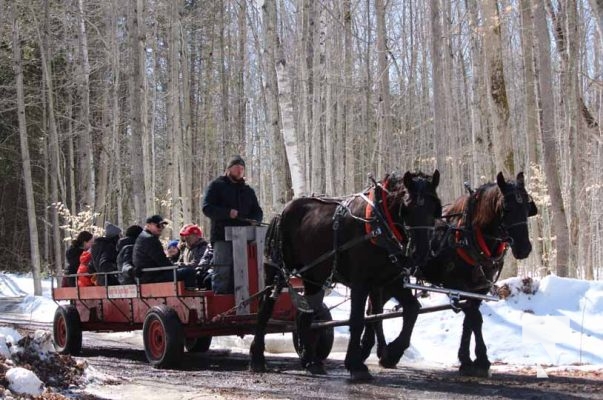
point(223, 195)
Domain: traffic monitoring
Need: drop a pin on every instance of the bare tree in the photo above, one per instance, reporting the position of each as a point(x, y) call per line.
point(25, 159)
point(548, 135)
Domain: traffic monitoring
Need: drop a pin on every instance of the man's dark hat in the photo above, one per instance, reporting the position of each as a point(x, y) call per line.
point(156, 219)
point(236, 160)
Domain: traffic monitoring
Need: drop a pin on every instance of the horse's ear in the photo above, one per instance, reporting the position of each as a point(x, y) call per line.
point(532, 210)
point(407, 179)
point(435, 178)
point(500, 180)
point(520, 180)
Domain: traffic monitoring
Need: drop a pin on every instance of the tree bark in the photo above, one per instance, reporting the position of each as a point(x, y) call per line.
point(282, 180)
point(501, 135)
point(85, 149)
point(25, 159)
point(548, 134)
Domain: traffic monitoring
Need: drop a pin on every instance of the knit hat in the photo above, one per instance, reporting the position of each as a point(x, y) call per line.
point(236, 160)
point(173, 243)
point(112, 230)
point(133, 231)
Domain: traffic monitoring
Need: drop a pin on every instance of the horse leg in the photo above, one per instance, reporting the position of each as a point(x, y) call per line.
point(353, 359)
point(307, 337)
point(375, 329)
point(410, 311)
point(481, 364)
point(472, 324)
point(466, 367)
point(257, 362)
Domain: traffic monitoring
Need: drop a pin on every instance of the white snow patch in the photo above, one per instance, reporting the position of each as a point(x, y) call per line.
point(23, 381)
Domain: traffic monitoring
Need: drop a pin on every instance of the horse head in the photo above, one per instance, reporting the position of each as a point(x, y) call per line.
point(418, 207)
point(515, 207)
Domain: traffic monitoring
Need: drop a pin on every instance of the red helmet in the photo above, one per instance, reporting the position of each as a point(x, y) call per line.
point(190, 230)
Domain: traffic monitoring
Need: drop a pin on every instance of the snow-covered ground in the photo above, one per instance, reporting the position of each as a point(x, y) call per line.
point(559, 325)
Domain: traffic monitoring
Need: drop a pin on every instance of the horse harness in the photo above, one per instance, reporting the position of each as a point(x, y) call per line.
point(380, 229)
point(470, 243)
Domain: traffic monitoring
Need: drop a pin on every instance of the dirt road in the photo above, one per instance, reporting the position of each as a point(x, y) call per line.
point(223, 374)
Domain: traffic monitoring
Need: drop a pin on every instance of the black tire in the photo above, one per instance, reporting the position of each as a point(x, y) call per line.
point(67, 330)
point(163, 337)
point(198, 345)
point(325, 339)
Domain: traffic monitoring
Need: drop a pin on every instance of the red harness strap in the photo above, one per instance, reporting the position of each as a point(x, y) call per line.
point(368, 212)
point(482, 245)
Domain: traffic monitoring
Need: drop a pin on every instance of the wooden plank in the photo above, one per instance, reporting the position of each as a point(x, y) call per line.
point(260, 238)
point(240, 265)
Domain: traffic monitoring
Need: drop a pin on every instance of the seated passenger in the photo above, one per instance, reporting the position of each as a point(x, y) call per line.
point(125, 248)
point(82, 242)
point(148, 253)
point(196, 247)
point(173, 251)
point(85, 280)
point(104, 255)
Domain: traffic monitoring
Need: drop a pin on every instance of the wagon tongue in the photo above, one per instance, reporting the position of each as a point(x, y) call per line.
point(299, 301)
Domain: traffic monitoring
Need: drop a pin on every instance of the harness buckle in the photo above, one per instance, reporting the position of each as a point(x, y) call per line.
point(393, 258)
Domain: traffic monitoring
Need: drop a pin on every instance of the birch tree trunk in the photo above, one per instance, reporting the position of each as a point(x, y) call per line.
point(384, 126)
point(86, 158)
point(282, 179)
point(348, 135)
point(501, 135)
point(548, 134)
point(25, 159)
point(135, 83)
point(439, 107)
point(174, 144)
point(54, 151)
point(318, 79)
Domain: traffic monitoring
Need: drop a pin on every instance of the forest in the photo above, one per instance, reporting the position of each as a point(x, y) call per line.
point(114, 110)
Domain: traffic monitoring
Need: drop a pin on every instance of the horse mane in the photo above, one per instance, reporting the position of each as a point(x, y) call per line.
point(487, 209)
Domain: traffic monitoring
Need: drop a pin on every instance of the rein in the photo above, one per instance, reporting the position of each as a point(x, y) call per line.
point(471, 244)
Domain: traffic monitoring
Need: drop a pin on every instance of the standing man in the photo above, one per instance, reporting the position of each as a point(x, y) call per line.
point(229, 201)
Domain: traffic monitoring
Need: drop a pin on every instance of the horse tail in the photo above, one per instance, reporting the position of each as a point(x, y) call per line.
point(273, 249)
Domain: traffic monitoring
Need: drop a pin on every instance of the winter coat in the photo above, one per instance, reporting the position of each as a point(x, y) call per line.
point(223, 195)
point(83, 269)
point(104, 258)
point(72, 255)
point(125, 251)
point(148, 253)
point(194, 255)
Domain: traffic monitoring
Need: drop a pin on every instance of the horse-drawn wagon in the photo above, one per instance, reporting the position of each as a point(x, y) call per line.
point(172, 317)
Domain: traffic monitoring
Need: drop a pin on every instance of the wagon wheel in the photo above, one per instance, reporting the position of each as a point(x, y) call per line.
point(198, 345)
point(67, 330)
point(326, 336)
point(163, 337)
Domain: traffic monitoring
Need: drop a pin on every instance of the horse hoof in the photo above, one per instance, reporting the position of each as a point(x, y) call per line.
point(257, 367)
point(360, 376)
point(316, 368)
point(474, 371)
point(387, 363)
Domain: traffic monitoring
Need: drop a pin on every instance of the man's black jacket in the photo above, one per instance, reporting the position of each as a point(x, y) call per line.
point(223, 195)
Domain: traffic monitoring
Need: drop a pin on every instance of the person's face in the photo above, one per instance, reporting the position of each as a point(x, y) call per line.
point(155, 229)
point(88, 244)
point(172, 251)
point(236, 171)
point(189, 240)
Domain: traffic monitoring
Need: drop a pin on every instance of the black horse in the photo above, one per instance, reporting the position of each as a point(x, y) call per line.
point(363, 241)
point(469, 248)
